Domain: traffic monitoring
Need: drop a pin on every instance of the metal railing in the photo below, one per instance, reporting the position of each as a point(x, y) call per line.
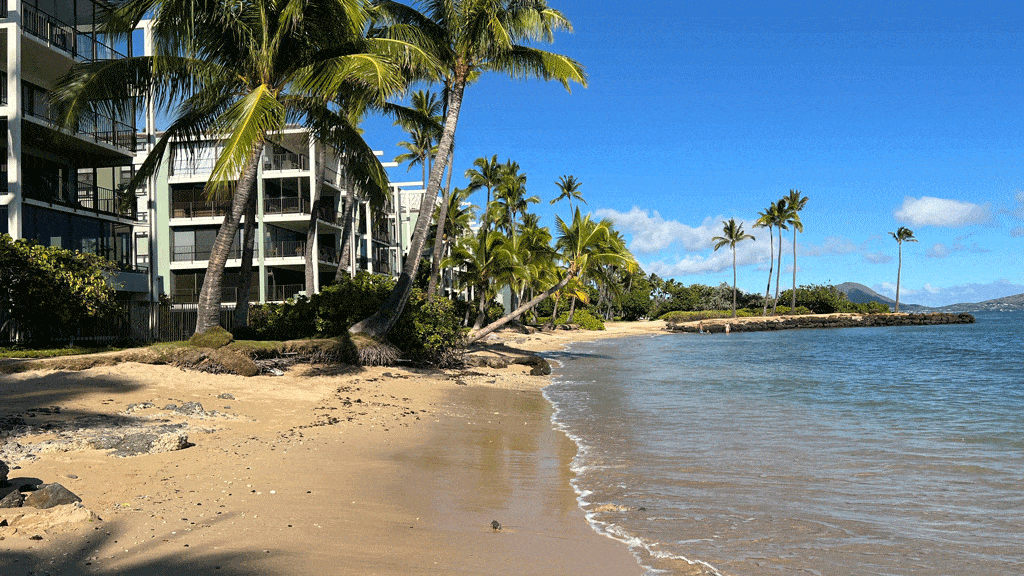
point(65, 37)
point(186, 165)
point(200, 253)
point(202, 209)
point(283, 292)
point(285, 249)
point(100, 199)
point(292, 205)
point(99, 127)
point(285, 161)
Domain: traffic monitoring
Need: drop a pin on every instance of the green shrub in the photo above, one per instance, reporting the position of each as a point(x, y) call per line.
point(583, 318)
point(427, 332)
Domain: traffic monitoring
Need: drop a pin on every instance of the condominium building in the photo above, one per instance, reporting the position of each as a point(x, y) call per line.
point(187, 220)
point(64, 188)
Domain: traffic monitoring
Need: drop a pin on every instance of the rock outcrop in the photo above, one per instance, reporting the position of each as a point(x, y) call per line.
point(823, 321)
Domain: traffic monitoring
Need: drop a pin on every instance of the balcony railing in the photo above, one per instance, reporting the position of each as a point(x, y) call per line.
point(200, 253)
point(285, 249)
point(81, 196)
point(99, 127)
point(283, 292)
point(65, 37)
point(228, 295)
point(204, 209)
point(328, 214)
point(286, 206)
point(285, 161)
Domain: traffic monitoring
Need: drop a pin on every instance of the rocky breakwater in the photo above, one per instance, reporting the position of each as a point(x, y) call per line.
point(818, 321)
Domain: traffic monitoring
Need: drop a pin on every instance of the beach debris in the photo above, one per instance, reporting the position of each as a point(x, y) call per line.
point(135, 407)
point(49, 496)
point(226, 396)
point(495, 525)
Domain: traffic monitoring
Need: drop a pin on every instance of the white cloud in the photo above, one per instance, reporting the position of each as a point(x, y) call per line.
point(928, 211)
point(877, 257)
point(652, 233)
point(832, 245)
point(940, 250)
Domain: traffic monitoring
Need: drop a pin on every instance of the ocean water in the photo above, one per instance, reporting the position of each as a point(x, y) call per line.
point(861, 451)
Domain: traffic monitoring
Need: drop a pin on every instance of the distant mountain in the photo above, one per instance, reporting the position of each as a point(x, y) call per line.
point(861, 294)
point(1007, 304)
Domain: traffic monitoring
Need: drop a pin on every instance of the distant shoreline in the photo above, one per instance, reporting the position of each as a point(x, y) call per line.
point(818, 321)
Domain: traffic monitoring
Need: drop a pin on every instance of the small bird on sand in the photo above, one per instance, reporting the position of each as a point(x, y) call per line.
point(495, 525)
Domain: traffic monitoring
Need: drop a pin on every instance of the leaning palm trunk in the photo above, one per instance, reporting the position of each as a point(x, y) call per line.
point(442, 218)
point(771, 265)
point(481, 310)
point(311, 231)
point(572, 310)
point(778, 274)
point(208, 312)
point(899, 270)
point(245, 273)
point(792, 303)
point(554, 314)
point(381, 322)
point(478, 334)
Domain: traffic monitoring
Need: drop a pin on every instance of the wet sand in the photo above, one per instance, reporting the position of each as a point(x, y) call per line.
point(321, 471)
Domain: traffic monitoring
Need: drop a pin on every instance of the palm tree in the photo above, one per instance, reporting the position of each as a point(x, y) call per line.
point(423, 145)
point(767, 219)
point(583, 245)
point(472, 37)
point(732, 234)
point(569, 187)
point(780, 225)
point(455, 224)
point(794, 203)
point(237, 73)
point(901, 235)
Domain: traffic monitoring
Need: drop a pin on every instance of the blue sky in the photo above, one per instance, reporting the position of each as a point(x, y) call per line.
point(883, 116)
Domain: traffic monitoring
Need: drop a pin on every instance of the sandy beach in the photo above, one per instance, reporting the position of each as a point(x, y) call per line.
point(325, 470)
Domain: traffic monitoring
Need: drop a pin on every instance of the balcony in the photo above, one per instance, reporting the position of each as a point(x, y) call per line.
point(228, 295)
point(80, 196)
point(200, 253)
point(100, 128)
point(65, 37)
point(203, 209)
point(297, 249)
point(289, 205)
point(283, 292)
point(285, 249)
point(285, 161)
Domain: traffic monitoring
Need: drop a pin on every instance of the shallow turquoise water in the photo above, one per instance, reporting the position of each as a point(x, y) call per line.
point(852, 451)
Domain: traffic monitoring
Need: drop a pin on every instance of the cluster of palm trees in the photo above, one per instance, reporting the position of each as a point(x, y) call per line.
point(780, 215)
point(240, 71)
point(511, 250)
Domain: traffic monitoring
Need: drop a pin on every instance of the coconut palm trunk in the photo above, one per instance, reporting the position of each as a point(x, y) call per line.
point(311, 230)
point(771, 266)
point(778, 275)
point(245, 273)
point(439, 244)
point(792, 299)
point(381, 322)
point(478, 334)
point(210, 295)
point(899, 271)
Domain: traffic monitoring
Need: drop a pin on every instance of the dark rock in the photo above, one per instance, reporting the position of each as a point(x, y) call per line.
point(226, 396)
point(4, 469)
point(12, 500)
point(104, 442)
point(150, 443)
point(140, 406)
point(51, 495)
point(171, 407)
point(190, 409)
point(540, 366)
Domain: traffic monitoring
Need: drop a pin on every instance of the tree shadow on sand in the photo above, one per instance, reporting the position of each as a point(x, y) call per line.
point(87, 554)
